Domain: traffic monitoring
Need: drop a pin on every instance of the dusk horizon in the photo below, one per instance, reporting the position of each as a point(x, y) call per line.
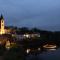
point(43, 14)
point(29, 29)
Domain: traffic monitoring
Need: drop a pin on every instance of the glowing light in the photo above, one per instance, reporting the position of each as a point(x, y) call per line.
point(49, 46)
point(7, 45)
point(2, 30)
point(28, 50)
point(26, 35)
point(52, 49)
point(39, 49)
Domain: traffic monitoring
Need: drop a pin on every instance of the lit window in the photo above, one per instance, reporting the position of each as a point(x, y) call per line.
point(2, 25)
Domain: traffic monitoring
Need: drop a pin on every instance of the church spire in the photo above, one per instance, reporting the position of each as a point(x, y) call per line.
point(1, 17)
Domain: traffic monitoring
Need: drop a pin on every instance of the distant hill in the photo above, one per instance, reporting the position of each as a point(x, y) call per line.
point(51, 28)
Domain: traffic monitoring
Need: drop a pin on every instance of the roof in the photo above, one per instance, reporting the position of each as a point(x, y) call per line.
point(1, 17)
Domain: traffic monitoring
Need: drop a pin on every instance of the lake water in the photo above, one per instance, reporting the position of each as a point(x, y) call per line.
point(49, 55)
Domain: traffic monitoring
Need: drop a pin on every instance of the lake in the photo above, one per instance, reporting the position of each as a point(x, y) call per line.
point(49, 55)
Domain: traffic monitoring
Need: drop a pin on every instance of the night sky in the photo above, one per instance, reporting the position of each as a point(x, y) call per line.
point(43, 14)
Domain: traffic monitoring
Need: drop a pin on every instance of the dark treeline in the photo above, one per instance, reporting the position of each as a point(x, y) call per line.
point(19, 51)
point(45, 36)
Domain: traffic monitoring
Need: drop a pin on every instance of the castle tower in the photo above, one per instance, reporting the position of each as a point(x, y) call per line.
point(2, 31)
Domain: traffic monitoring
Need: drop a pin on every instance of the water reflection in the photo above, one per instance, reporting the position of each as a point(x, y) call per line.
point(47, 50)
point(32, 50)
point(46, 47)
point(45, 55)
point(39, 49)
point(52, 49)
point(28, 51)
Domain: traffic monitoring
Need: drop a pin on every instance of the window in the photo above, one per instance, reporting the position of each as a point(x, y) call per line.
point(2, 24)
point(2, 21)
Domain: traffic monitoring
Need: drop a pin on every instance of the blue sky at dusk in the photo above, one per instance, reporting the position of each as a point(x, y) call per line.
point(44, 14)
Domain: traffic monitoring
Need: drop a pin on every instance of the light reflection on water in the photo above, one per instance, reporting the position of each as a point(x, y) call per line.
point(49, 54)
point(51, 49)
point(40, 50)
point(28, 51)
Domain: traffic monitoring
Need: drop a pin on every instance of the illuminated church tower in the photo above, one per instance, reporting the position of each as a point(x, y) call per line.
point(2, 31)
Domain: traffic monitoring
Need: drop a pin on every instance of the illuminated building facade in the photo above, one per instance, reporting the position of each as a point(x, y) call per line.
point(2, 30)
